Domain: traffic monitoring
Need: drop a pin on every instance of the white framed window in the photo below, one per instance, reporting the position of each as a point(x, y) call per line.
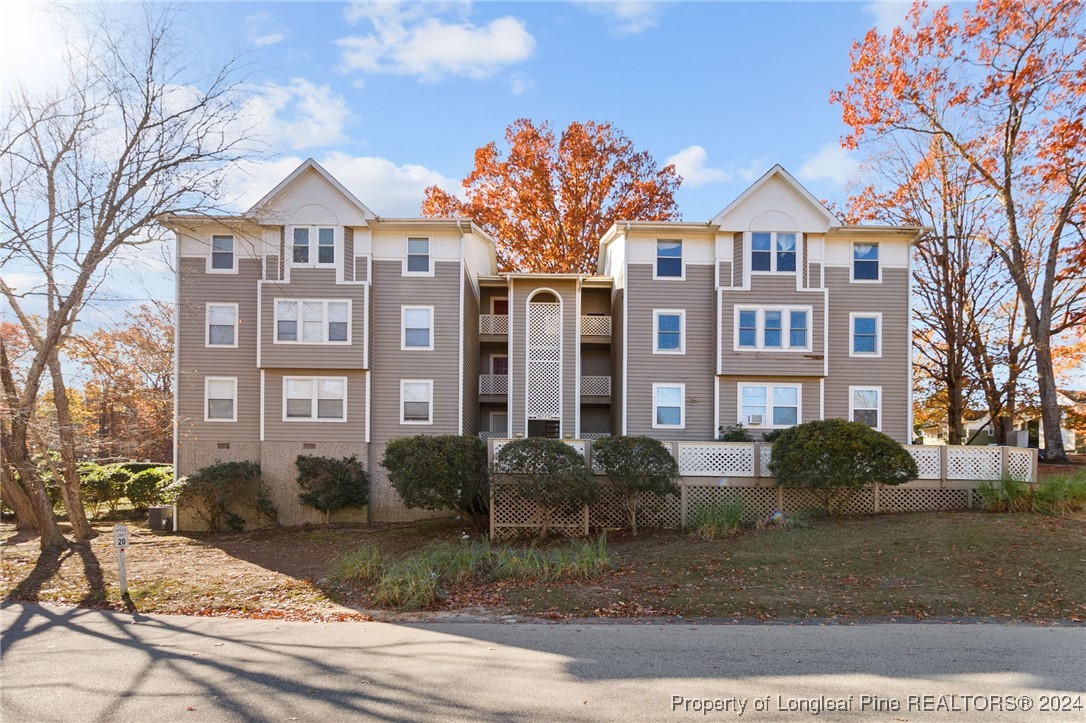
point(223, 258)
point(417, 328)
point(220, 399)
point(312, 321)
point(865, 406)
point(314, 399)
point(669, 331)
point(772, 406)
point(668, 406)
point(313, 246)
point(416, 401)
point(417, 261)
point(765, 328)
point(865, 334)
point(669, 259)
point(865, 263)
point(222, 325)
point(773, 252)
point(499, 424)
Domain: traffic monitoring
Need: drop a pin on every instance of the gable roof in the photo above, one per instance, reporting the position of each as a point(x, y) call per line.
point(311, 165)
point(777, 171)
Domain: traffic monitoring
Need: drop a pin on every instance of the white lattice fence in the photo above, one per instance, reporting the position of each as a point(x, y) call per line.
point(1020, 464)
point(609, 511)
point(592, 436)
point(596, 386)
point(974, 463)
point(493, 384)
point(758, 502)
point(927, 460)
point(766, 454)
point(544, 397)
point(511, 514)
point(577, 445)
point(716, 459)
point(918, 499)
point(596, 325)
point(493, 324)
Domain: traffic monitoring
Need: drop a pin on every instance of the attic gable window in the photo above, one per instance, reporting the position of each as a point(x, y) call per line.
point(865, 262)
point(418, 261)
point(313, 246)
point(223, 258)
point(773, 252)
point(669, 259)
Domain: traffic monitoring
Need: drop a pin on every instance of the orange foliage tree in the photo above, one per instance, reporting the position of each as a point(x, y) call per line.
point(548, 200)
point(1002, 84)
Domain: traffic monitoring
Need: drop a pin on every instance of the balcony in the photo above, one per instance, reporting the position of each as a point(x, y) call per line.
point(493, 324)
point(595, 326)
point(493, 385)
point(595, 386)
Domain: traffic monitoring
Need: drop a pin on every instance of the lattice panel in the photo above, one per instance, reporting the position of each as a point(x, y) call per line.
point(609, 511)
point(498, 444)
point(594, 435)
point(493, 384)
point(511, 514)
point(861, 502)
point(1020, 464)
point(493, 324)
point(596, 325)
point(544, 397)
point(912, 499)
point(716, 459)
point(927, 460)
point(766, 453)
point(596, 386)
point(758, 502)
point(577, 444)
point(977, 463)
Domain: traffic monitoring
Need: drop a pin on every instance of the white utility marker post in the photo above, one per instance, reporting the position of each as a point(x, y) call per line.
point(120, 543)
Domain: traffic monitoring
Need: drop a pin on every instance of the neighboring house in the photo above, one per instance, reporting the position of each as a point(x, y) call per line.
point(309, 325)
point(1028, 429)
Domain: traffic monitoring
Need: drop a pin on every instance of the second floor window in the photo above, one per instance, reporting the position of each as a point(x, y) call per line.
point(418, 256)
point(865, 335)
point(758, 328)
point(865, 262)
point(670, 331)
point(669, 259)
point(312, 322)
point(222, 253)
point(417, 332)
point(315, 398)
point(773, 252)
point(222, 325)
point(313, 246)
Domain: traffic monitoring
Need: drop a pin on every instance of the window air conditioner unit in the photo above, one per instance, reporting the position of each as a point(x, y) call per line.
point(754, 420)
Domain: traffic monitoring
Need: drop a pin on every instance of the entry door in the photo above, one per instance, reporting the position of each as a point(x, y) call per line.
point(499, 366)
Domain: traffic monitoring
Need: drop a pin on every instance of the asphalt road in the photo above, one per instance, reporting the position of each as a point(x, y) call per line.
point(62, 664)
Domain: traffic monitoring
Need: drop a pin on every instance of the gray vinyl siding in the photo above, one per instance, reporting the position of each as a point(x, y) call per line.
point(271, 268)
point(695, 368)
point(617, 380)
point(348, 253)
point(806, 267)
point(724, 273)
point(890, 371)
point(282, 253)
point(810, 407)
point(390, 364)
point(595, 301)
point(773, 290)
point(520, 290)
point(471, 357)
point(276, 429)
point(737, 260)
point(195, 361)
point(360, 268)
point(313, 284)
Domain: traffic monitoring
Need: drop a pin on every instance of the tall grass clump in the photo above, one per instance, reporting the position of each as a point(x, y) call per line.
point(456, 562)
point(716, 521)
point(361, 567)
point(580, 560)
point(1062, 495)
point(407, 584)
point(1005, 495)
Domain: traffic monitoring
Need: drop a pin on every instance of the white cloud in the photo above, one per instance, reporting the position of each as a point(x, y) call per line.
point(690, 164)
point(390, 190)
point(831, 162)
point(262, 32)
point(33, 47)
point(415, 39)
point(519, 84)
point(627, 18)
point(296, 116)
point(888, 14)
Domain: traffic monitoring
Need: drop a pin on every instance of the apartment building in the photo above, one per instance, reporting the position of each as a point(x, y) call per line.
point(310, 325)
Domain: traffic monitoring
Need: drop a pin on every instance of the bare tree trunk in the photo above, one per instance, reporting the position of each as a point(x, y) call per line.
point(16, 497)
point(69, 471)
point(1051, 414)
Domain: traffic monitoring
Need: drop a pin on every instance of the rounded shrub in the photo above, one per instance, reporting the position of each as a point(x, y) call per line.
point(440, 472)
point(734, 433)
point(636, 466)
point(330, 484)
point(835, 458)
point(103, 485)
point(218, 493)
point(145, 488)
point(549, 473)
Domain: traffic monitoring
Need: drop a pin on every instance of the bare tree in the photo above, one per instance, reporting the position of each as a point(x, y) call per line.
point(84, 172)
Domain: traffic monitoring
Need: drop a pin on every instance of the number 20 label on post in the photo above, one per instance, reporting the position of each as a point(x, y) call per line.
point(120, 536)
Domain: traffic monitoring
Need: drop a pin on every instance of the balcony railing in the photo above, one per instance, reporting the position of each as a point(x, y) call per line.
point(493, 324)
point(493, 384)
point(596, 325)
point(596, 386)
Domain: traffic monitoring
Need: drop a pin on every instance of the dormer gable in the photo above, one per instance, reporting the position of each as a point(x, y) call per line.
point(311, 196)
point(776, 202)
